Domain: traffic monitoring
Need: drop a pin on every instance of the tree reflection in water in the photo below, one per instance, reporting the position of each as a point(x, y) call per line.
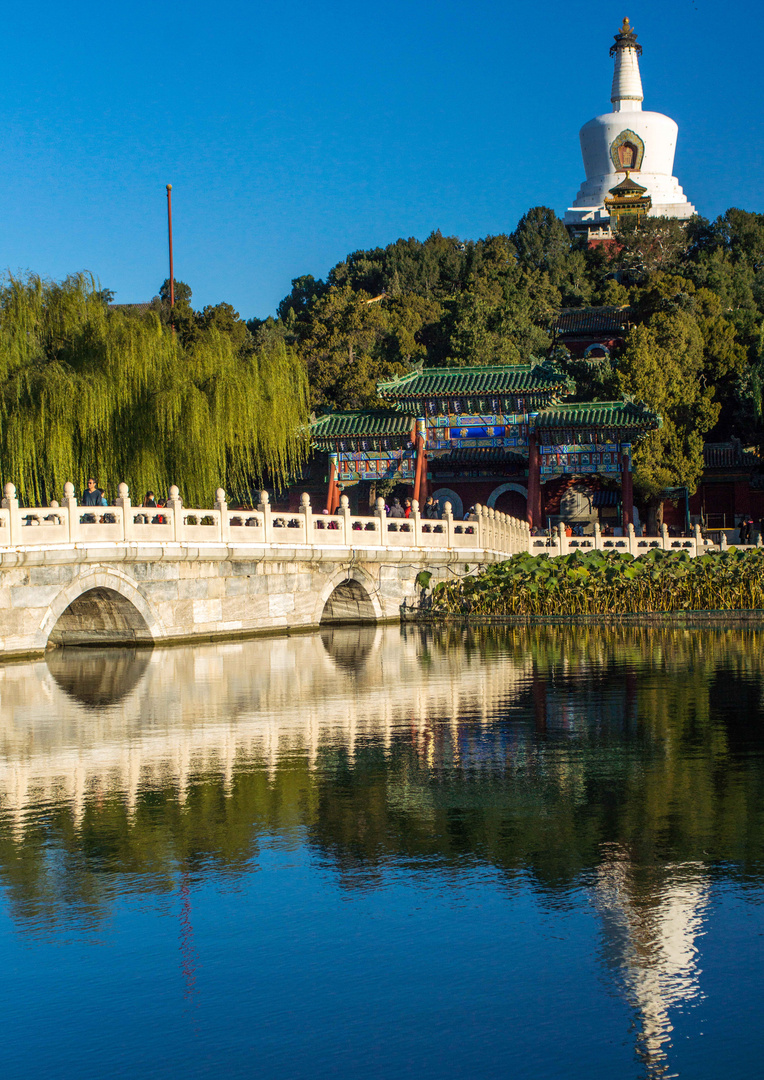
point(627, 760)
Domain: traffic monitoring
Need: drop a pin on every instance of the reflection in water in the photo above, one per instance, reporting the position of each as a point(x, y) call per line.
point(349, 647)
point(650, 928)
point(614, 758)
point(97, 677)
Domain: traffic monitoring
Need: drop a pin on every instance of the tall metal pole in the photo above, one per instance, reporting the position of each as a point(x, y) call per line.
point(169, 234)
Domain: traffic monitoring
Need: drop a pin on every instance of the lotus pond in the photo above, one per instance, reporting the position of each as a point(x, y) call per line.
point(605, 583)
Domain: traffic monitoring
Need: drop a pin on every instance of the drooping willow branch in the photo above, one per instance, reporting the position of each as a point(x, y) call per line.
point(85, 390)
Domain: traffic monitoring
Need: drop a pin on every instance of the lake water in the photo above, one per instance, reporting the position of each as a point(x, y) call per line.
point(386, 852)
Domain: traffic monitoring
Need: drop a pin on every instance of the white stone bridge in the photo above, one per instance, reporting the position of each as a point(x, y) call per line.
point(124, 574)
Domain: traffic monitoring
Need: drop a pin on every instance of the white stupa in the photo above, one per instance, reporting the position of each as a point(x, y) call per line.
point(624, 142)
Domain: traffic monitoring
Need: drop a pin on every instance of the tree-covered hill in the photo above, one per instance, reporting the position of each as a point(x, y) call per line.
point(695, 353)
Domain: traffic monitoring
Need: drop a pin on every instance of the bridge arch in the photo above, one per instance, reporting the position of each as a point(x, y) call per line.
point(350, 596)
point(101, 606)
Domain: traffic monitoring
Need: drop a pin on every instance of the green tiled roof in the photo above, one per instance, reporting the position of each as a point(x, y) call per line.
point(615, 414)
point(474, 381)
point(360, 425)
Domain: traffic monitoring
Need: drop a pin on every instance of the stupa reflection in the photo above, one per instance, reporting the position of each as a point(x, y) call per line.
point(650, 929)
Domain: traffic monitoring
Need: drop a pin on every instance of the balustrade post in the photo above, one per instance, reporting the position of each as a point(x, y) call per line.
point(11, 504)
point(597, 536)
point(699, 540)
point(665, 537)
point(479, 526)
point(123, 500)
point(379, 513)
point(416, 520)
point(307, 517)
point(723, 542)
point(265, 509)
point(175, 503)
point(72, 513)
point(221, 505)
point(562, 539)
point(347, 524)
point(632, 539)
point(448, 517)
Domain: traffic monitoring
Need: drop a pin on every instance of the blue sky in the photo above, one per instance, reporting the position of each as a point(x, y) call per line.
point(294, 134)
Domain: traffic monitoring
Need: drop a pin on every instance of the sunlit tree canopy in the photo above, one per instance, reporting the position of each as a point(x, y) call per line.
point(89, 390)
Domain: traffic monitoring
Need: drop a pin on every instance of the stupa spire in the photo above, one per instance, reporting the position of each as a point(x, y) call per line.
point(626, 94)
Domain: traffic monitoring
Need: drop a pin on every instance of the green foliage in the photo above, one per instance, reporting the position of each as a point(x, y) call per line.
point(696, 290)
point(663, 365)
point(607, 583)
point(87, 390)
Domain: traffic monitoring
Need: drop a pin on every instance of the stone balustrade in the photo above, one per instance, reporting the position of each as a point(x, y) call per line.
point(72, 523)
point(487, 530)
point(557, 543)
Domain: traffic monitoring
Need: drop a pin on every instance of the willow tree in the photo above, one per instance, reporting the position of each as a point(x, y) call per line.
point(88, 390)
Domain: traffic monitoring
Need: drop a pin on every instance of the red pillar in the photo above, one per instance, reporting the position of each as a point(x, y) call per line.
point(534, 482)
point(420, 478)
point(627, 491)
point(330, 507)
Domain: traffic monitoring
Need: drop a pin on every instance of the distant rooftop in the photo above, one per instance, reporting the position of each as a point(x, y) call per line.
point(593, 320)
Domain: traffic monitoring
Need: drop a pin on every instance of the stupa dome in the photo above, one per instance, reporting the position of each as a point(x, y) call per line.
point(627, 140)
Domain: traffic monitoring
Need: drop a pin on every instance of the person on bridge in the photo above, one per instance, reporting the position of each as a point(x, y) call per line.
point(431, 509)
point(92, 496)
point(396, 510)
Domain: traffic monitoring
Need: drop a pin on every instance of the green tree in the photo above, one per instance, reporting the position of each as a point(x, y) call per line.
point(542, 241)
point(85, 389)
point(342, 345)
point(663, 365)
